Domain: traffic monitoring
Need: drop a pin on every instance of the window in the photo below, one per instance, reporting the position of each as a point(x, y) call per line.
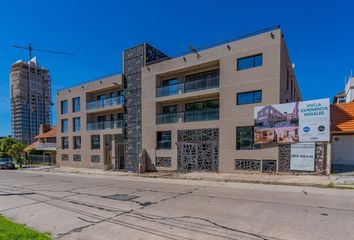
point(199, 106)
point(169, 109)
point(249, 97)
point(287, 78)
point(64, 125)
point(76, 124)
point(249, 62)
point(245, 139)
point(77, 142)
point(95, 158)
point(64, 107)
point(77, 158)
point(65, 143)
point(101, 97)
point(164, 140)
point(65, 157)
point(76, 104)
point(95, 142)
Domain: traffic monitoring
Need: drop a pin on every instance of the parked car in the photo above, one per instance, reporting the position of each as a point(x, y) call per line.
point(6, 163)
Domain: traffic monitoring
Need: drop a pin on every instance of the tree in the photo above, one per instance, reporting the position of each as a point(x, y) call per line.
point(6, 143)
point(16, 151)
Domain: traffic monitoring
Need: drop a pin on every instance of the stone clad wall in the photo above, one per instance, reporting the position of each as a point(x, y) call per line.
point(320, 159)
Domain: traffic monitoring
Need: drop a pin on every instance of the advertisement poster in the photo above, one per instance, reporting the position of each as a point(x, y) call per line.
point(302, 156)
point(314, 121)
point(292, 122)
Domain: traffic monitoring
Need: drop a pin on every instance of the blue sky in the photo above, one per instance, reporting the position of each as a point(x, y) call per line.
point(319, 36)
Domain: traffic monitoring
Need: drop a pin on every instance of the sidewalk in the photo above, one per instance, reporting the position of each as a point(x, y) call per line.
point(293, 180)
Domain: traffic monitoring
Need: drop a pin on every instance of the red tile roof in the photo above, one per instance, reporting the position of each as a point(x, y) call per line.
point(342, 117)
point(50, 134)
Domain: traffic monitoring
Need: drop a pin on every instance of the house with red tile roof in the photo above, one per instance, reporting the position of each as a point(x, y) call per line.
point(342, 133)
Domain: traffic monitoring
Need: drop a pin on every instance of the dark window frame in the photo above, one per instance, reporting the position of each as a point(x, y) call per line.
point(64, 146)
point(75, 143)
point(93, 145)
point(254, 64)
point(253, 97)
point(76, 105)
point(253, 146)
point(161, 143)
point(62, 107)
point(76, 127)
point(64, 130)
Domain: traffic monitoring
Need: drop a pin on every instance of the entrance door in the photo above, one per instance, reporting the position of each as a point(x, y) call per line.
point(119, 159)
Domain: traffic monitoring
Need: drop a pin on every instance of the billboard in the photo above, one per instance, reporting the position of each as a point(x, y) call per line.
point(292, 122)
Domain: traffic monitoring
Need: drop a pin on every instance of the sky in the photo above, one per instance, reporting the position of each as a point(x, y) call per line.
point(319, 36)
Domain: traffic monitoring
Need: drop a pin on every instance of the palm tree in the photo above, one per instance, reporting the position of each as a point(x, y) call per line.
point(16, 151)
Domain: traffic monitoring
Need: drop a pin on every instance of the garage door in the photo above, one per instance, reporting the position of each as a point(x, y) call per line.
point(343, 150)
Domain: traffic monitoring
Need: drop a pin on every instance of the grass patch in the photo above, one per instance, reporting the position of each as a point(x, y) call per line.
point(10, 230)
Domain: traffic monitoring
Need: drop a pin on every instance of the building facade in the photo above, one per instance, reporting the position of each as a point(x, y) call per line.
point(193, 112)
point(347, 95)
point(30, 93)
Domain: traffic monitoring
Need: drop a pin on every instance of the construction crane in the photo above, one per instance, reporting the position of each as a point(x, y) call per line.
point(30, 48)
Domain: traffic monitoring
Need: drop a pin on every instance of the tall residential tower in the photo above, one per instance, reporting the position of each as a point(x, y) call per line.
point(30, 90)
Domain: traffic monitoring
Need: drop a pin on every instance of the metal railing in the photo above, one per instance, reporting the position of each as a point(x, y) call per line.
point(109, 102)
point(105, 125)
point(188, 116)
point(186, 87)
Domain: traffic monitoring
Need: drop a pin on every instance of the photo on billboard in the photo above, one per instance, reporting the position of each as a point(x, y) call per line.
point(277, 123)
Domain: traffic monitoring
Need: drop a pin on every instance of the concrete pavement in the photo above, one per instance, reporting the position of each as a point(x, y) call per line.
point(78, 206)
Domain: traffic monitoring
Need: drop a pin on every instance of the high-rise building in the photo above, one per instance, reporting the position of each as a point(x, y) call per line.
point(30, 90)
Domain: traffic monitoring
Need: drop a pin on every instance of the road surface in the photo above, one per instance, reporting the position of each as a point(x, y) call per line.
point(83, 206)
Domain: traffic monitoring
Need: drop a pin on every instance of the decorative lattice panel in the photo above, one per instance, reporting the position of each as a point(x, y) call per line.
point(163, 162)
point(198, 150)
point(269, 165)
point(248, 164)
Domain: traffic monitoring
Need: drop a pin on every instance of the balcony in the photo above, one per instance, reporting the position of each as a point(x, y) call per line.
point(186, 87)
point(46, 146)
point(189, 116)
point(105, 103)
point(106, 125)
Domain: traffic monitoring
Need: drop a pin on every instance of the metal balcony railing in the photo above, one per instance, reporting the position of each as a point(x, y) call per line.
point(105, 125)
point(109, 102)
point(188, 116)
point(186, 87)
point(46, 146)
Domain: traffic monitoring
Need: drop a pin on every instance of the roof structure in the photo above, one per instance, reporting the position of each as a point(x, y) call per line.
point(342, 117)
point(50, 134)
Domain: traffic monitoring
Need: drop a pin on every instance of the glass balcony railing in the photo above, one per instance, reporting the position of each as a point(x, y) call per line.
point(105, 125)
point(202, 115)
point(185, 87)
point(167, 118)
point(189, 116)
point(109, 102)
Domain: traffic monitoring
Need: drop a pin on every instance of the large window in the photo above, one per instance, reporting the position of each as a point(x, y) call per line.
point(77, 142)
point(245, 139)
point(76, 124)
point(64, 107)
point(169, 109)
point(64, 142)
point(164, 140)
point(205, 105)
point(95, 142)
point(249, 97)
point(249, 62)
point(76, 104)
point(64, 125)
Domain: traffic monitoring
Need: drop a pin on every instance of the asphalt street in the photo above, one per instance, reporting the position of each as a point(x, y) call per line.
point(83, 206)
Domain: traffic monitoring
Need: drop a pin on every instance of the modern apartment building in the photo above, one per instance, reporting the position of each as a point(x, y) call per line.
point(347, 95)
point(192, 112)
point(30, 92)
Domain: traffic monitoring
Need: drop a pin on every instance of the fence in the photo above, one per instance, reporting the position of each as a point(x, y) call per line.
point(46, 160)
